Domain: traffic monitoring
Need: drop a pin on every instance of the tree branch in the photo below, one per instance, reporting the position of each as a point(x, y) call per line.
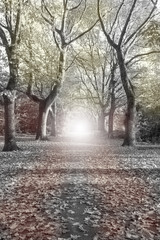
point(111, 42)
point(52, 95)
point(4, 38)
point(117, 13)
point(44, 5)
point(18, 22)
point(127, 22)
point(82, 34)
point(140, 27)
point(140, 55)
point(77, 6)
point(34, 98)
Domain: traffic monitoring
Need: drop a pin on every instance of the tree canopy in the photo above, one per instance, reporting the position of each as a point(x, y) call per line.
point(97, 54)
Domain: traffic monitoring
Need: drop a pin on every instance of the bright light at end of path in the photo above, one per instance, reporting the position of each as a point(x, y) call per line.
point(78, 128)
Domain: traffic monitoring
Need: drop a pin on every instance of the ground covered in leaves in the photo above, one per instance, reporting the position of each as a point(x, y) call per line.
point(66, 190)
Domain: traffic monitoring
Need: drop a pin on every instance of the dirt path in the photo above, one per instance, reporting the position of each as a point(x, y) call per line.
point(79, 208)
point(67, 191)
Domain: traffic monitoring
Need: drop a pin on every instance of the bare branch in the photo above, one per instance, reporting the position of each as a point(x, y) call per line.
point(95, 86)
point(88, 89)
point(73, 60)
point(18, 22)
point(80, 18)
point(34, 98)
point(55, 39)
point(141, 55)
point(111, 42)
point(4, 38)
point(77, 6)
point(46, 19)
point(47, 10)
point(154, 2)
point(140, 27)
point(127, 22)
point(117, 13)
point(8, 22)
point(83, 33)
point(64, 15)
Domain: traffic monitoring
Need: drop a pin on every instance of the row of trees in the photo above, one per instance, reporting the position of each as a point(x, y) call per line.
point(93, 44)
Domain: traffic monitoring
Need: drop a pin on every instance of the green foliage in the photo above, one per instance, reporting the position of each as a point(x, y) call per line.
point(38, 54)
point(148, 90)
point(151, 34)
point(148, 126)
point(26, 116)
point(3, 69)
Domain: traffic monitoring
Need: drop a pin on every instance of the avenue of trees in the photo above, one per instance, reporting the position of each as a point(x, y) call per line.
point(97, 54)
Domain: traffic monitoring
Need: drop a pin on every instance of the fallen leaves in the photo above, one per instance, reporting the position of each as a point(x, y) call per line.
point(95, 191)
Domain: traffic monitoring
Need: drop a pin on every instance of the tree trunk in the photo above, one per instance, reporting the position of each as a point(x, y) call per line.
point(110, 122)
point(112, 107)
point(129, 123)
point(9, 103)
point(44, 106)
point(9, 106)
point(42, 121)
point(53, 126)
point(101, 122)
point(53, 120)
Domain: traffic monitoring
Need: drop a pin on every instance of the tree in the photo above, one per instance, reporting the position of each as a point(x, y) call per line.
point(92, 64)
point(64, 25)
point(97, 71)
point(38, 67)
point(10, 31)
point(121, 36)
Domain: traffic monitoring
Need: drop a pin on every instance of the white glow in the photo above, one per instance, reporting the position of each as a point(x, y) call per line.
point(78, 128)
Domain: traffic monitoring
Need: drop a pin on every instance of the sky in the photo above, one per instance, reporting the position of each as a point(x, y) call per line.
point(158, 4)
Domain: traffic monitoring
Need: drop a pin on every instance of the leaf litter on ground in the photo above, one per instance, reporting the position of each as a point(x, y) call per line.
point(45, 186)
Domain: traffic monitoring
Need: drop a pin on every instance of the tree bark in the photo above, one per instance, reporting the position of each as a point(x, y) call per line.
point(42, 121)
point(9, 106)
point(44, 106)
point(101, 122)
point(129, 139)
point(47, 103)
point(10, 36)
point(129, 124)
point(113, 102)
point(111, 121)
point(9, 103)
point(53, 120)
